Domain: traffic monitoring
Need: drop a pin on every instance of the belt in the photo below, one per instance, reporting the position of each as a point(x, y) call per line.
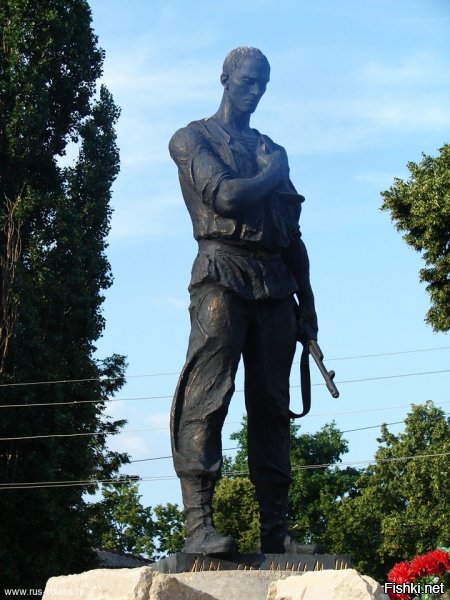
point(241, 250)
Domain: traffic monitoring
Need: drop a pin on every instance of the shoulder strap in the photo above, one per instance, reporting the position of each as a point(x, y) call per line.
point(305, 381)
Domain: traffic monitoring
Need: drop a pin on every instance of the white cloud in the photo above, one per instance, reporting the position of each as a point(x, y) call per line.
point(170, 303)
point(134, 444)
point(159, 420)
point(115, 409)
point(158, 85)
point(348, 123)
point(150, 216)
point(418, 70)
point(161, 83)
point(379, 181)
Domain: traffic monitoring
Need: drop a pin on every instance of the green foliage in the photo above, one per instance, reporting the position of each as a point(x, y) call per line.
point(421, 207)
point(391, 511)
point(314, 492)
point(401, 508)
point(120, 522)
point(169, 529)
point(236, 511)
point(53, 225)
point(313, 495)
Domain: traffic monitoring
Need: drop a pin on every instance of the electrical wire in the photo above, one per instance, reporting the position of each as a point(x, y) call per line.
point(89, 482)
point(237, 447)
point(54, 381)
point(77, 402)
point(68, 435)
point(94, 433)
point(103, 378)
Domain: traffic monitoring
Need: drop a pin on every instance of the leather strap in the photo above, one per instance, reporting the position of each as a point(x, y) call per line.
point(305, 381)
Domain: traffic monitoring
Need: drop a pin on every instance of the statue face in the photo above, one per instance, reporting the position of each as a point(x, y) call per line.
point(247, 84)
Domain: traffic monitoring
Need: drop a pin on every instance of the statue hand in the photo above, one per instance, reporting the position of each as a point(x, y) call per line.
point(276, 162)
point(307, 327)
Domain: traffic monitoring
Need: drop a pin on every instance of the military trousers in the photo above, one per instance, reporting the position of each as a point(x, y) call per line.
point(224, 327)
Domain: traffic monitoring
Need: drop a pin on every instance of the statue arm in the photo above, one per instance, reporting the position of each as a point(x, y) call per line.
point(197, 163)
point(237, 194)
point(296, 258)
point(212, 178)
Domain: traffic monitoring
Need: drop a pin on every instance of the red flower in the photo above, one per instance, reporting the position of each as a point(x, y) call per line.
point(435, 562)
point(421, 566)
point(442, 560)
point(400, 573)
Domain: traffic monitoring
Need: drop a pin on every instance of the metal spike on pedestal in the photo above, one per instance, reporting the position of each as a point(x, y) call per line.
point(299, 563)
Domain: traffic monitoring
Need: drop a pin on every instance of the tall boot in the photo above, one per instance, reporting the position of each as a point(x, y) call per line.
point(273, 507)
point(201, 537)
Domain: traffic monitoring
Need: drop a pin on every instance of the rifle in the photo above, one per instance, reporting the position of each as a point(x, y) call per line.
point(317, 354)
point(313, 348)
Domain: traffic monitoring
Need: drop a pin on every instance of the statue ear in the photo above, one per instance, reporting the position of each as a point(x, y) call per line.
point(224, 79)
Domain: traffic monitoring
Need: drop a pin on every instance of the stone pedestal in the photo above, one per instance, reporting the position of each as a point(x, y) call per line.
point(251, 584)
point(295, 563)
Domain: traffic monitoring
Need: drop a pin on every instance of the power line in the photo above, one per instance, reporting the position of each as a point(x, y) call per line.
point(56, 484)
point(104, 378)
point(87, 482)
point(372, 426)
point(170, 456)
point(327, 359)
point(54, 381)
point(237, 447)
point(67, 435)
point(381, 460)
point(165, 397)
point(366, 410)
point(94, 433)
point(353, 462)
point(369, 462)
point(385, 377)
point(389, 353)
point(76, 402)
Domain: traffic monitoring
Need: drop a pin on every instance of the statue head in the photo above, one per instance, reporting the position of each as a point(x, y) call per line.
point(235, 57)
point(245, 74)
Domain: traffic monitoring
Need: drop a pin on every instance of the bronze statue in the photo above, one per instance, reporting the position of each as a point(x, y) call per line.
point(250, 267)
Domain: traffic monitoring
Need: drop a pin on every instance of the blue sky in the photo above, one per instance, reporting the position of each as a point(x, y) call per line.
point(358, 88)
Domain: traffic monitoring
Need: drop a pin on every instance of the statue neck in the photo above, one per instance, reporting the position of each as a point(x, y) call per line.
point(232, 119)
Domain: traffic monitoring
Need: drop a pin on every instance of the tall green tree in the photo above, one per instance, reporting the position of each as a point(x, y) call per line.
point(120, 522)
point(53, 268)
point(236, 511)
point(421, 208)
point(317, 489)
point(313, 496)
point(169, 529)
point(401, 507)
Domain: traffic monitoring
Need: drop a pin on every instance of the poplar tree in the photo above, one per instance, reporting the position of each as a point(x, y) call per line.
point(54, 219)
